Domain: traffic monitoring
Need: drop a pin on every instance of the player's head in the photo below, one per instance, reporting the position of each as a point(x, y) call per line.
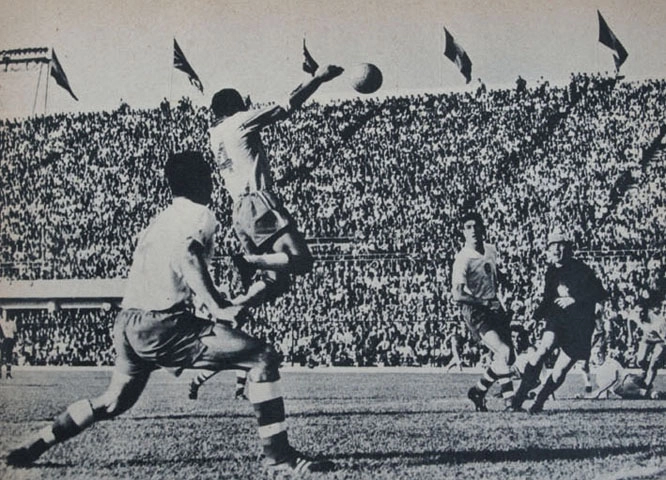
point(559, 246)
point(473, 229)
point(189, 176)
point(226, 102)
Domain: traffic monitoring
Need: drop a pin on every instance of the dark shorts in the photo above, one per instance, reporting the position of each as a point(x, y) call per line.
point(146, 340)
point(573, 336)
point(481, 320)
point(259, 217)
point(7, 349)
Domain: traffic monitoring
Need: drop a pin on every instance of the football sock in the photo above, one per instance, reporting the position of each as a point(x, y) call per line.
point(241, 380)
point(72, 421)
point(266, 399)
point(485, 382)
point(202, 376)
point(527, 383)
point(548, 388)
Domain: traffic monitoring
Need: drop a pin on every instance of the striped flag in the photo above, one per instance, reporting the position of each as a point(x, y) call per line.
point(457, 55)
point(59, 75)
point(181, 63)
point(309, 64)
point(608, 38)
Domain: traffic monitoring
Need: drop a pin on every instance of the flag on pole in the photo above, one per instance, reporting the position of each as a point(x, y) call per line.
point(309, 64)
point(59, 74)
point(608, 38)
point(457, 55)
point(181, 63)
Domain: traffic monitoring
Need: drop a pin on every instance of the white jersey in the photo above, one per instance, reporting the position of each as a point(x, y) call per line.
point(476, 271)
point(8, 327)
point(155, 281)
point(239, 152)
point(654, 329)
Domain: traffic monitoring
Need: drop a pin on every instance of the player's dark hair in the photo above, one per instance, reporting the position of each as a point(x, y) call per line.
point(189, 175)
point(472, 215)
point(227, 102)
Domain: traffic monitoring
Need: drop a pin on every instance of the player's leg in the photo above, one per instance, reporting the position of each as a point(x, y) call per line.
point(499, 370)
point(585, 372)
point(556, 378)
point(291, 254)
point(9, 356)
point(4, 362)
point(123, 392)
point(201, 378)
point(652, 366)
point(230, 349)
point(241, 383)
point(533, 367)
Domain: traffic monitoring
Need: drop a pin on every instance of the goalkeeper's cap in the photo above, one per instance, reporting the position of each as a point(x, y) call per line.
point(558, 236)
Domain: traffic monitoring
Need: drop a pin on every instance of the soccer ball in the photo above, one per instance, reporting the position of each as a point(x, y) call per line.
point(365, 78)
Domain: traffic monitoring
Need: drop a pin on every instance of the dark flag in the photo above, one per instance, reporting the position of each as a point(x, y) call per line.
point(181, 63)
point(59, 75)
point(457, 55)
point(309, 64)
point(609, 39)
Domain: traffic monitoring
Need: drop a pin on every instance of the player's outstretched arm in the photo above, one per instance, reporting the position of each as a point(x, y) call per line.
point(197, 277)
point(306, 89)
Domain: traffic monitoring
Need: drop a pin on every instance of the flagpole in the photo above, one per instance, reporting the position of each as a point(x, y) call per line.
point(46, 93)
point(171, 75)
point(39, 81)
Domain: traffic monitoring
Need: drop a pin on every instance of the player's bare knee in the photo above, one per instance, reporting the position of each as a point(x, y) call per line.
point(503, 354)
point(268, 363)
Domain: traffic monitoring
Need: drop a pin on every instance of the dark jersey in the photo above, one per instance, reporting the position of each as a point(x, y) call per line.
point(573, 279)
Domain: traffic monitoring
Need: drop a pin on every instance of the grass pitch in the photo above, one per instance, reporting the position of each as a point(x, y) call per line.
point(414, 425)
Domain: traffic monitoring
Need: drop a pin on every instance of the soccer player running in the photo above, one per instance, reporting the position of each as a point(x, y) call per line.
point(571, 293)
point(156, 326)
point(274, 247)
point(475, 280)
point(7, 341)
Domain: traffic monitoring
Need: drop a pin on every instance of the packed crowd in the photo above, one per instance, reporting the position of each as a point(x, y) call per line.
point(390, 175)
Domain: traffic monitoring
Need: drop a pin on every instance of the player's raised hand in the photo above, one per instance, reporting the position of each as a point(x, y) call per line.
point(328, 72)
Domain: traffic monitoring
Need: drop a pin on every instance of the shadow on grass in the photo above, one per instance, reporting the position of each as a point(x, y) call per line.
point(406, 458)
point(498, 456)
point(343, 414)
point(596, 411)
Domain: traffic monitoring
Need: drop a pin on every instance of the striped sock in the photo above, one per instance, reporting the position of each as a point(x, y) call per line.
point(266, 399)
point(485, 382)
point(202, 376)
point(71, 422)
point(241, 380)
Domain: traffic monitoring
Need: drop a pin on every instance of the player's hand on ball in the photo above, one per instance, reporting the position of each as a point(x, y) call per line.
point(564, 302)
point(329, 72)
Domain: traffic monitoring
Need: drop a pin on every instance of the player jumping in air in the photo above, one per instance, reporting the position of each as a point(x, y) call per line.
point(571, 293)
point(475, 286)
point(156, 326)
point(274, 247)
